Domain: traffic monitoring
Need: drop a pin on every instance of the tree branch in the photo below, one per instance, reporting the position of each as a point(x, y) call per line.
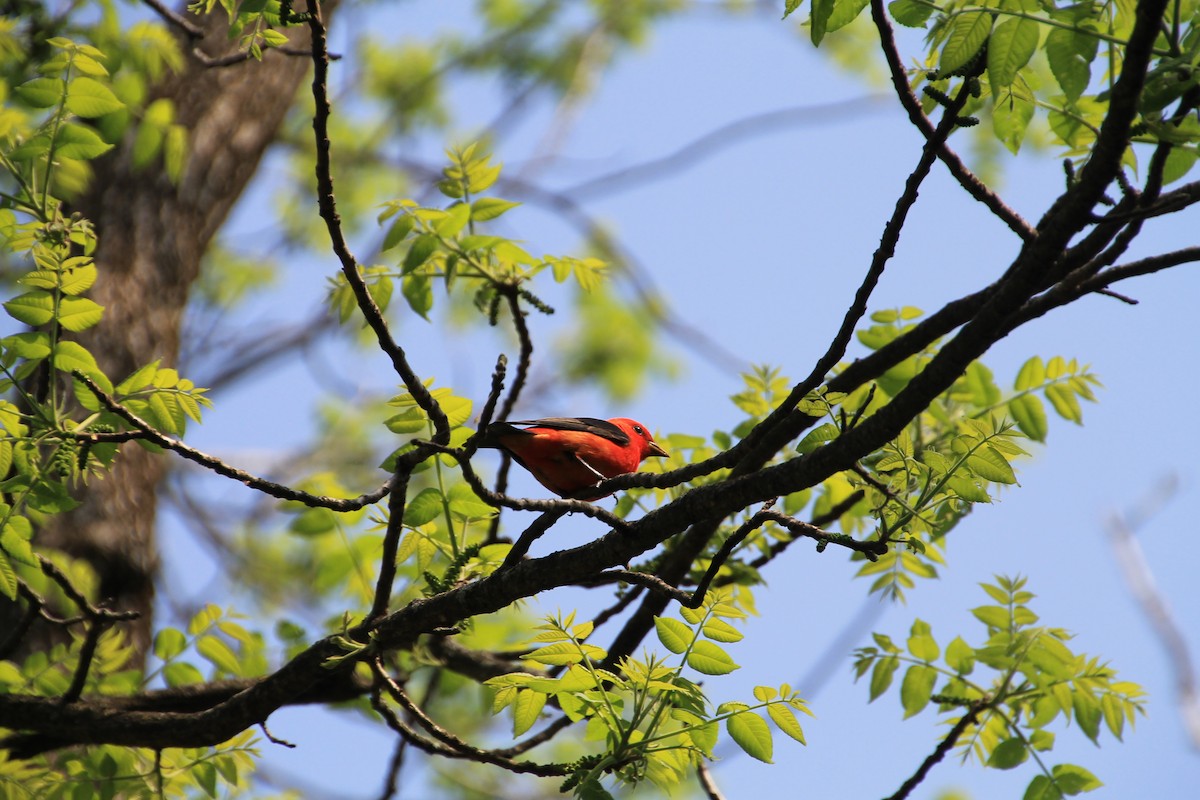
point(218, 466)
point(945, 746)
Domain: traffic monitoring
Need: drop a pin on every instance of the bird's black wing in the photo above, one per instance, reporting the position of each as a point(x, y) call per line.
point(598, 427)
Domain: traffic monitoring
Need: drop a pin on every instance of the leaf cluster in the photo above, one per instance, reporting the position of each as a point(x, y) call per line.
point(1015, 684)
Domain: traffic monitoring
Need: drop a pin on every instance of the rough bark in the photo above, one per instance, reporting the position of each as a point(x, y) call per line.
point(152, 236)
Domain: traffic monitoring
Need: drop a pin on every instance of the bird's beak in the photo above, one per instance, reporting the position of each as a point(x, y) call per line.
point(655, 449)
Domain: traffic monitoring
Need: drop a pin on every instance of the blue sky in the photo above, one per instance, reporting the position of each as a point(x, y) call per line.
point(761, 245)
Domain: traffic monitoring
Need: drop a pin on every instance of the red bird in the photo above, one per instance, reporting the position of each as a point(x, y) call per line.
point(569, 455)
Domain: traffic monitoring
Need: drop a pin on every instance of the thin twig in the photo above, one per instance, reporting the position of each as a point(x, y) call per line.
point(707, 784)
point(218, 466)
point(530, 535)
point(777, 548)
point(967, 179)
point(945, 746)
point(191, 29)
point(450, 745)
point(87, 653)
point(327, 204)
point(1140, 578)
point(541, 737)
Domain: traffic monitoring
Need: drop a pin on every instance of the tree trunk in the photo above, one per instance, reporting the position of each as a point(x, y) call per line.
point(152, 235)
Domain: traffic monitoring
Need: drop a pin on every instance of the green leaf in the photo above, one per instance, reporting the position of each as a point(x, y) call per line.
point(14, 541)
point(456, 218)
point(882, 674)
point(818, 20)
point(721, 631)
point(992, 616)
point(1031, 376)
point(968, 32)
point(1065, 403)
point(50, 498)
point(273, 38)
point(844, 12)
point(78, 279)
point(418, 291)
point(526, 710)
point(410, 420)
point(31, 345)
point(966, 489)
point(989, 464)
point(313, 522)
point(1040, 788)
point(457, 409)
point(41, 92)
point(822, 434)
point(1087, 713)
point(423, 508)
point(1074, 780)
point(1179, 163)
point(466, 505)
point(32, 308)
point(206, 775)
point(752, 734)
point(674, 635)
point(72, 356)
point(1010, 46)
point(486, 208)
point(703, 735)
point(1011, 115)
point(88, 97)
point(400, 228)
point(1008, 754)
point(8, 578)
point(181, 673)
point(77, 141)
point(1030, 415)
point(561, 654)
point(916, 688)
point(910, 13)
point(709, 659)
point(168, 643)
point(960, 656)
point(921, 643)
point(1070, 55)
point(785, 719)
point(419, 252)
point(175, 151)
point(218, 653)
point(78, 313)
point(590, 788)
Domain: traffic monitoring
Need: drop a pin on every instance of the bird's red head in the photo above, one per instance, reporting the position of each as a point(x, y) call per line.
point(640, 436)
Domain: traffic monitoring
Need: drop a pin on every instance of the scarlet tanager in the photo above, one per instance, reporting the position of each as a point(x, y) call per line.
point(569, 455)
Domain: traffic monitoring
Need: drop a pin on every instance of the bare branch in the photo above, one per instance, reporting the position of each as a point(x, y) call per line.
point(1136, 569)
point(218, 466)
point(189, 28)
point(452, 746)
point(967, 179)
point(945, 746)
point(714, 141)
point(707, 784)
point(333, 222)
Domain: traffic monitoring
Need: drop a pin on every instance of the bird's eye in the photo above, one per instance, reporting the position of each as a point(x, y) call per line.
point(638, 430)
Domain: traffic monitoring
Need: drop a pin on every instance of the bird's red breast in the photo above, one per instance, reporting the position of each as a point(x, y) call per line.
point(568, 455)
